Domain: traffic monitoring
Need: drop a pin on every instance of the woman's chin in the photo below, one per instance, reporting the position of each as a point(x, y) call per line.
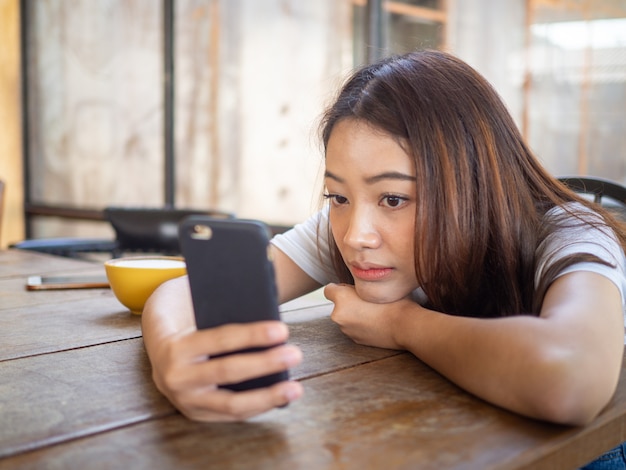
point(377, 294)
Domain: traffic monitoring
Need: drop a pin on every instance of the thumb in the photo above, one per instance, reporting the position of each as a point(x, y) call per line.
point(332, 291)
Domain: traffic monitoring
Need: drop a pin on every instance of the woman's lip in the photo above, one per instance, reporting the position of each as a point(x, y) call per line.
point(370, 274)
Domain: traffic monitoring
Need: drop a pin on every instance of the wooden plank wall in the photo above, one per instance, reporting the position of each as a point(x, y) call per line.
point(96, 117)
point(252, 77)
point(10, 123)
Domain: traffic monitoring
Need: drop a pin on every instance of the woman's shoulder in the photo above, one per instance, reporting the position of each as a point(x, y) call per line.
point(572, 211)
point(573, 229)
point(575, 223)
point(577, 229)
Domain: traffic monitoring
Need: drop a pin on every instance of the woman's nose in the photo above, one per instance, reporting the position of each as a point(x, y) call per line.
point(362, 232)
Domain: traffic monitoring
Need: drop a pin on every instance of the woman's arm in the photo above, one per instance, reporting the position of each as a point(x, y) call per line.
point(178, 352)
point(562, 366)
point(291, 281)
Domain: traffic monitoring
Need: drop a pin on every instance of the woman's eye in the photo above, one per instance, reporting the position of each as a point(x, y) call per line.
point(336, 198)
point(393, 201)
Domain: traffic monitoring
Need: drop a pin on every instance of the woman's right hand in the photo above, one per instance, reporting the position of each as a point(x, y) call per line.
point(181, 371)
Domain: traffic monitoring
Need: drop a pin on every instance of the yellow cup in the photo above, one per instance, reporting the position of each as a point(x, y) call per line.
point(134, 279)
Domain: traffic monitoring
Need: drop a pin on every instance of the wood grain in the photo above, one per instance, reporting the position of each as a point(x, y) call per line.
point(23, 263)
point(392, 413)
point(76, 392)
point(48, 328)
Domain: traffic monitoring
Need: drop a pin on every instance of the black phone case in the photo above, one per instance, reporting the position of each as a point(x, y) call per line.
point(231, 277)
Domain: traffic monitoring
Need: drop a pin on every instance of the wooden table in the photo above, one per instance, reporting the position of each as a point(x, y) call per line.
point(76, 392)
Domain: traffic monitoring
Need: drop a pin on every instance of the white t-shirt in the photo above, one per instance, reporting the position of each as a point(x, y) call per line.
point(307, 245)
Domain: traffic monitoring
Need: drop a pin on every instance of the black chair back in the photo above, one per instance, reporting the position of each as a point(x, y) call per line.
point(605, 192)
point(152, 230)
point(144, 230)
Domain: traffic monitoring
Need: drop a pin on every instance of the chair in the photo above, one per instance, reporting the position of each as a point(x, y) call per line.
point(609, 194)
point(69, 247)
point(149, 230)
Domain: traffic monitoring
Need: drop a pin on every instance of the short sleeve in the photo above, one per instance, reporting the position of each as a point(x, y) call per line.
point(307, 245)
point(592, 238)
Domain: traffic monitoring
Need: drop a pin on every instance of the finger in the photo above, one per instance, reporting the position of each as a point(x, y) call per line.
point(226, 405)
point(239, 367)
point(233, 337)
point(236, 368)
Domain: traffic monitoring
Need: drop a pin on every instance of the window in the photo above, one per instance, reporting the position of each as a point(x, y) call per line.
point(235, 129)
point(576, 86)
point(250, 79)
point(402, 26)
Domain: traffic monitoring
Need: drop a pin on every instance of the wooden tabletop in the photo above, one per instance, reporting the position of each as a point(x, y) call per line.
point(76, 392)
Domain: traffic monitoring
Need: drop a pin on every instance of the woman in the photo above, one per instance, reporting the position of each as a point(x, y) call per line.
point(443, 236)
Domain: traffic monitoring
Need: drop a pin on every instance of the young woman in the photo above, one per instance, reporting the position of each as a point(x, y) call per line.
point(443, 236)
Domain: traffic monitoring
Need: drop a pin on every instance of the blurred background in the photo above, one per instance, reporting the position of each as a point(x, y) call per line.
point(215, 103)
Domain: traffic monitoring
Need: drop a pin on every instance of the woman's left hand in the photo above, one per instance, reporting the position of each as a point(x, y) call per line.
point(365, 322)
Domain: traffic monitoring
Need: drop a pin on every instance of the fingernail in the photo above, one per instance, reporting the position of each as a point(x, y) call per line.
point(293, 392)
point(290, 356)
point(276, 332)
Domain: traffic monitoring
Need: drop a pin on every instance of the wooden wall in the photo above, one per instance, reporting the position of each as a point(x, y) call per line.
point(252, 77)
point(10, 123)
point(96, 107)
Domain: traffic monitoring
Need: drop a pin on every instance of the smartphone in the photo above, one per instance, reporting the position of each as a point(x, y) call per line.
point(231, 277)
point(66, 282)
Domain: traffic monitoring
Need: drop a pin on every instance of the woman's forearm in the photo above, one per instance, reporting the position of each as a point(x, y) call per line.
point(167, 312)
point(559, 367)
point(508, 362)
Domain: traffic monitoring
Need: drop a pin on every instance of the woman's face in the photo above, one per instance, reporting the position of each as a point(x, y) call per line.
point(370, 181)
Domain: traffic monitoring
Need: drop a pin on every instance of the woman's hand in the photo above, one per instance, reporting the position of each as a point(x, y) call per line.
point(184, 375)
point(181, 371)
point(365, 322)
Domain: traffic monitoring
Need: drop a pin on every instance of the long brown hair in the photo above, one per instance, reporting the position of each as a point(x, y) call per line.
point(481, 194)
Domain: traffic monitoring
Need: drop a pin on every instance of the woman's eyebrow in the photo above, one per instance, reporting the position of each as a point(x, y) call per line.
point(388, 175)
point(328, 174)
